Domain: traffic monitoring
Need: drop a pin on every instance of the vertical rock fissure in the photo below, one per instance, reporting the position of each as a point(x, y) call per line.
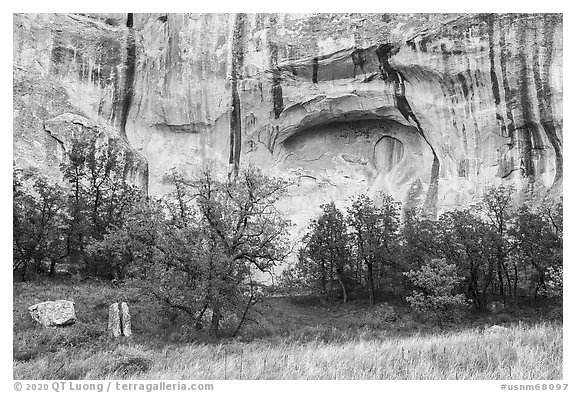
point(235, 115)
point(277, 95)
point(384, 52)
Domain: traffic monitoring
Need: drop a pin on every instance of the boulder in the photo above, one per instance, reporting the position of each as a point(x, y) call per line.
point(119, 320)
point(114, 320)
point(125, 319)
point(53, 313)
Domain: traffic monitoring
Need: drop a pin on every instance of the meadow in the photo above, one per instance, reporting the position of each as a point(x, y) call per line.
point(285, 339)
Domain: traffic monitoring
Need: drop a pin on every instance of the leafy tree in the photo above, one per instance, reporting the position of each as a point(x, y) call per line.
point(39, 220)
point(244, 227)
point(419, 239)
point(324, 260)
point(99, 195)
point(434, 297)
point(469, 243)
point(497, 205)
point(374, 232)
point(198, 250)
point(538, 248)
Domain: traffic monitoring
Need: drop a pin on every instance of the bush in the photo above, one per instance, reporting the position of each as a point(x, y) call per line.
point(435, 299)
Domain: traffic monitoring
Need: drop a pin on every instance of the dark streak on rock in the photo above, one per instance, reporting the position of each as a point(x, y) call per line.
point(235, 115)
point(528, 129)
point(544, 93)
point(462, 80)
point(315, 70)
point(130, 66)
point(388, 73)
point(493, 76)
point(130, 21)
point(277, 95)
point(507, 93)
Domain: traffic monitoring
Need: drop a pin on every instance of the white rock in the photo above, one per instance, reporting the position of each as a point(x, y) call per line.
point(119, 320)
point(125, 319)
point(53, 313)
point(114, 320)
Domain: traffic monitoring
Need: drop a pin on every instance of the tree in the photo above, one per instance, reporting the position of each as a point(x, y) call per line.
point(324, 260)
point(375, 234)
point(244, 226)
point(472, 245)
point(538, 247)
point(198, 249)
point(497, 205)
point(39, 221)
point(99, 195)
point(419, 239)
point(434, 297)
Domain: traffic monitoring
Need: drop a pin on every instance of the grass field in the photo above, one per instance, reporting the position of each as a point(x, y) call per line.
point(285, 340)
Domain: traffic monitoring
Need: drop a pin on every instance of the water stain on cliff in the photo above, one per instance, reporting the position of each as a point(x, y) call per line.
point(544, 90)
point(235, 114)
point(130, 70)
point(384, 52)
point(276, 90)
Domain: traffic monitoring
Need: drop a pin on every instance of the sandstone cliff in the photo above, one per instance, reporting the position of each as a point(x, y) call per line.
point(431, 109)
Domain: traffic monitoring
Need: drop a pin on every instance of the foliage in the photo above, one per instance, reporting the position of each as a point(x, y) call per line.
point(435, 299)
point(537, 249)
point(324, 260)
point(39, 220)
point(468, 242)
point(99, 195)
point(198, 249)
point(374, 233)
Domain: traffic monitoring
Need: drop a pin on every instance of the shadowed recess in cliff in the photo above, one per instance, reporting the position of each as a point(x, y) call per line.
point(343, 64)
point(388, 152)
point(235, 115)
point(384, 52)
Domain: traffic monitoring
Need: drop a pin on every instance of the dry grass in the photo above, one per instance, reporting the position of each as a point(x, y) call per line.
point(523, 353)
point(317, 343)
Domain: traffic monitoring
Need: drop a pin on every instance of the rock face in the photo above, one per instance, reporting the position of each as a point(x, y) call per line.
point(69, 74)
point(53, 313)
point(431, 109)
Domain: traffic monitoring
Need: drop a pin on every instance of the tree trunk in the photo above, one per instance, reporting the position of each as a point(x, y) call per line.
point(370, 282)
point(344, 294)
point(199, 319)
point(216, 316)
point(52, 267)
point(515, 282)
point(244, 315)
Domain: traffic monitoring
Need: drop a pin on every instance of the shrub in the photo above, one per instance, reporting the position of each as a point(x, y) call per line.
point(435, 299)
